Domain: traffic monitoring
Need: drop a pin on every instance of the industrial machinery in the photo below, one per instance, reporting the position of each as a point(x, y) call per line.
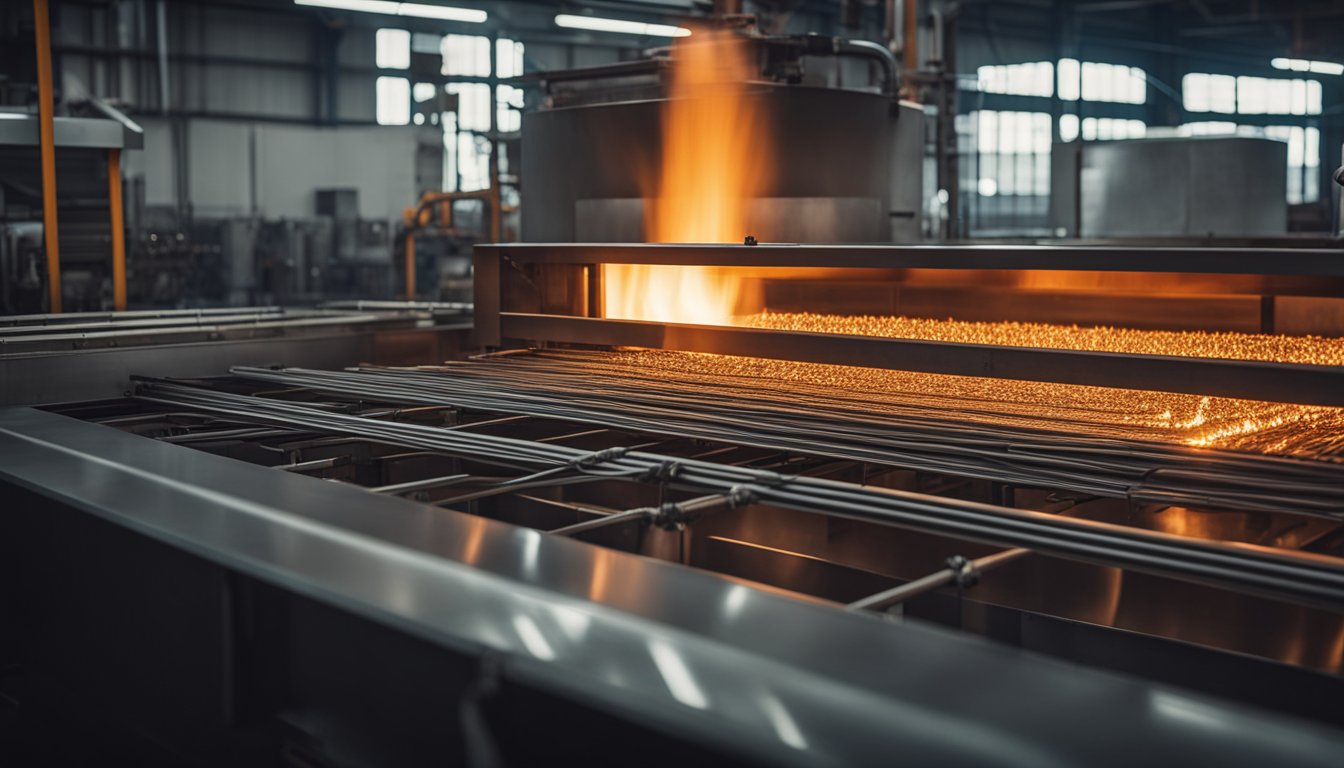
point(1232, 186)
point(936, 502)
point(91, 141)
point(843, 160)
point(90, 355)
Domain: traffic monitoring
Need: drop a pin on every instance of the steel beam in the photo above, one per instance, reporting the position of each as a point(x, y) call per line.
point(1313, 262)
point(118, 223)
point(45, 107)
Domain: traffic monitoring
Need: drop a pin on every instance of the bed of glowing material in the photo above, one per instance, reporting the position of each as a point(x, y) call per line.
point(1245, 425)
point(1280, 348)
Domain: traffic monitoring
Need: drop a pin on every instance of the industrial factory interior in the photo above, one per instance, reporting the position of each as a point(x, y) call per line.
point(672, 383)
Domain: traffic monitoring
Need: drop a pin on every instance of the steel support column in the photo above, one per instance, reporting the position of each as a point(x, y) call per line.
point(118, 230)
point(47, 139)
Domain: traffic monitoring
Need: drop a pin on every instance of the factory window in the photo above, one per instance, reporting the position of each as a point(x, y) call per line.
point(1226, 94)
point(1030, 79)
point(1203, 92)
point(392, 49)
point(1013, 152)
point(1207, 128)
point(1094, 128)
point(394, 101)
point(1304, 158)
point(467, 55)
point(1095, 81)
point(466, 158)
point(1270, 96)
point(473, 105)
point(508, 58)
point(423, 92)
point(1068, 127)
point(473, 159)
point(510, 103)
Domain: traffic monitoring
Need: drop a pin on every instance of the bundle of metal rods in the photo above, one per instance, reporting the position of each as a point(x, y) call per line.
point(963, 438)
point(1279, 574)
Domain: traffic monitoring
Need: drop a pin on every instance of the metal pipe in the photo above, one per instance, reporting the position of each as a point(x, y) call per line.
point(47, 136)
point(495, 193)
point(823, 45)
point(893, 18)
point(161, 18)
point(641, 513)
point(304, 466)
point(669, 514)
point(891, 69)
point(910, 30)
point(118, 230)
point(410, 265)
point(936, 580)
point(421, 485)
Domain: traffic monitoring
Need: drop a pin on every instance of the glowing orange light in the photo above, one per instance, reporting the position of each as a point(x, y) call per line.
point(713, 158)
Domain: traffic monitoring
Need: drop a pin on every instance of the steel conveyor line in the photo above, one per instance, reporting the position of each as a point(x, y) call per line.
point(743, 673)
point(1310, 579)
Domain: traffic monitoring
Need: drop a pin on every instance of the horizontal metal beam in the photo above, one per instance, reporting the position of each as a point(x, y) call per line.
point(1314, 262)
point(1246, 379)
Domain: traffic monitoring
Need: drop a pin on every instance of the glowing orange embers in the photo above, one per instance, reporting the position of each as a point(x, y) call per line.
point(714, 155)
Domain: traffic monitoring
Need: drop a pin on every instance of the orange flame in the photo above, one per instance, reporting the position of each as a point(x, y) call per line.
point(713, 152)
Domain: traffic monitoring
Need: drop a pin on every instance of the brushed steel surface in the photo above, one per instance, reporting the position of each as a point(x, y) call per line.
point(1231, 186)
point(37, 378)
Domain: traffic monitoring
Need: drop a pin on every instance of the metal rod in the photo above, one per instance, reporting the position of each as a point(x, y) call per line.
point(410, 265)
point(641, 513)
point(47, 135)
point(304, 466)
point(936, 580)
point(422, 485)
point(118, 230)
point(161, 33)
point(572, 435)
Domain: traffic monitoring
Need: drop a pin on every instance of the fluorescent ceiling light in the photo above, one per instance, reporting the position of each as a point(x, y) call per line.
point(386, 7)
point(618, 25)
point(1303, 65)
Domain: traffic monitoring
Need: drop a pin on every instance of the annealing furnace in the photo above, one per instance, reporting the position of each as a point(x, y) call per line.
point(941, 502)
point(940, 383)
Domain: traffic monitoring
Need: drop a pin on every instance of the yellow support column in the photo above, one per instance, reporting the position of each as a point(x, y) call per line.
point(410, 265)
point(47, 138)
point(118, 230)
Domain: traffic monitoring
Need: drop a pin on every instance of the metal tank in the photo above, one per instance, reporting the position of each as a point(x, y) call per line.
point(843, 166)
